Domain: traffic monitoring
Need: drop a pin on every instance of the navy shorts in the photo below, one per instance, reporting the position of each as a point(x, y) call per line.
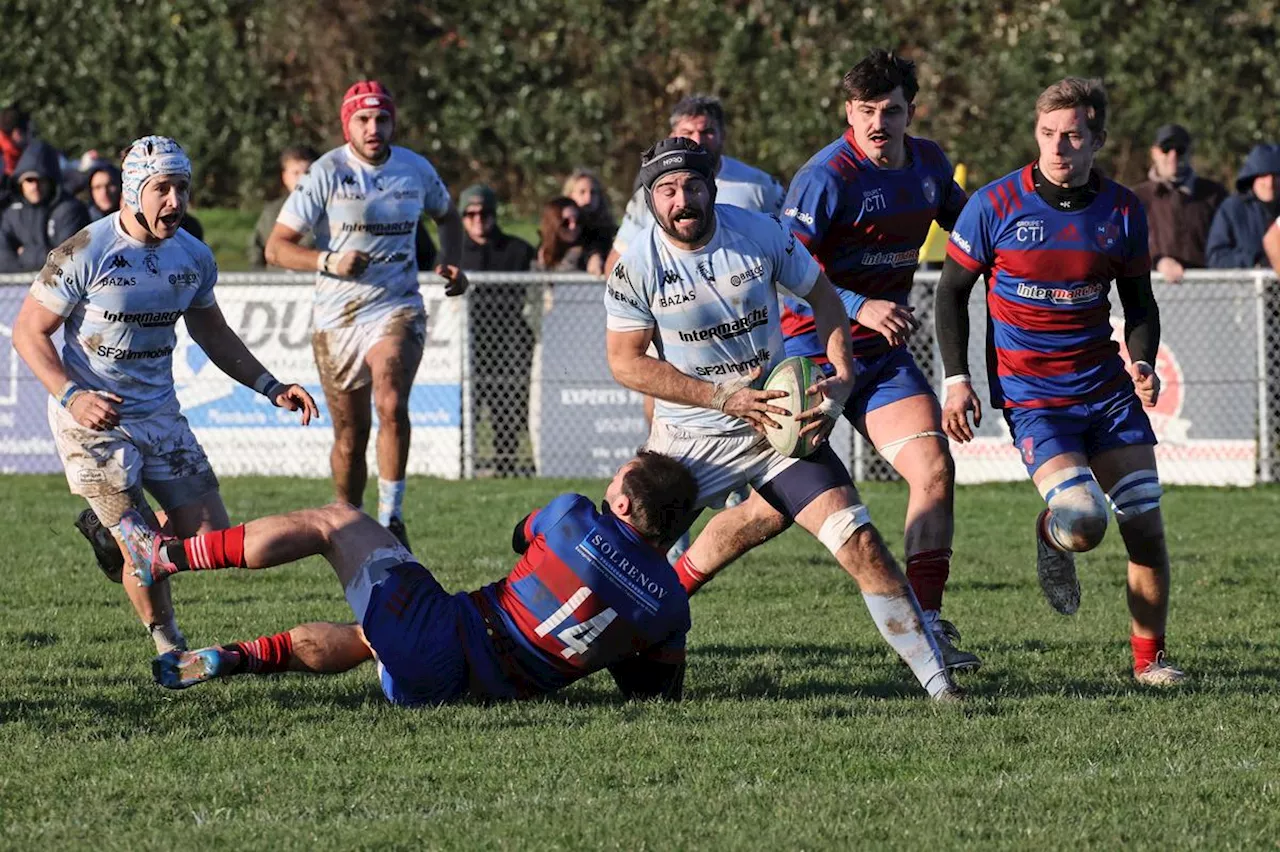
point(431, 645)
point(797, 486)
point(1088, 428)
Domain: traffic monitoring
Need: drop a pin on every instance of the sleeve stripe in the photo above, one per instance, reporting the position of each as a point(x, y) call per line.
point(958, 255)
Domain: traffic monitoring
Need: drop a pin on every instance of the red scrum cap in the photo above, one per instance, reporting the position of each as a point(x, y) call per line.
point(366, 94)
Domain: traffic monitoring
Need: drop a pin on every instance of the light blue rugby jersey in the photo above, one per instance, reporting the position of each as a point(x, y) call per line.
point(351, 205)
point(121, 299)
point(737, 185)
point(716, 309)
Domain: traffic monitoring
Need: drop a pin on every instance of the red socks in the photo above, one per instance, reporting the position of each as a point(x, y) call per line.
point(217, 549)
point(927, 572)
point(264, 655)
point(690, 577)
point(1145, 651)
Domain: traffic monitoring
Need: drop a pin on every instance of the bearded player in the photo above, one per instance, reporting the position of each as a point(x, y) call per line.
point(362, 202)
point(701, 285)
point(1050, 238)
point(592, 590)
point(120, 286)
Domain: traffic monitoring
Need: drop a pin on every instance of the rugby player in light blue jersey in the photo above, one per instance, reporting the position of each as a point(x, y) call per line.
point(120, 286)
point(701, 284)
point(362, 202)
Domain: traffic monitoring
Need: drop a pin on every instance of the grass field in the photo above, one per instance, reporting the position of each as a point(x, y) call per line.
point(799, 729)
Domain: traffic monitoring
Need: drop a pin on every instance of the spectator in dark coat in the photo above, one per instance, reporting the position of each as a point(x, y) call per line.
point(597, 224)
point(294, 162)
point(42, 216)
point(1180, 205)
point(104, 190)
point(501, 338)
point(1235, 240)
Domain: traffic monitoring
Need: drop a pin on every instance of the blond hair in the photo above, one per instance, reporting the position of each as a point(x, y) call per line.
point(1073, 92)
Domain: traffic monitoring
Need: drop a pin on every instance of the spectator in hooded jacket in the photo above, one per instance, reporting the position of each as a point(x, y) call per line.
point(1180, 204)
point(1235, 238)
point(104, 190)
point(41, 216)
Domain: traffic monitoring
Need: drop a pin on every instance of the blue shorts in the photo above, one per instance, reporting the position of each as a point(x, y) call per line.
point(1089, 428)
point(879, 380)
point(431, 646)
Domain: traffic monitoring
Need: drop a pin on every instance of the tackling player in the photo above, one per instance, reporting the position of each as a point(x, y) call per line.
point(863, 206)
point(591, 590)
point(1050, 238)
point(363, 202)
point(120, 286)
point(701, 284)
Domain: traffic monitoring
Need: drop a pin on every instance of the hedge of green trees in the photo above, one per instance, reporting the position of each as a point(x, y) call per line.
point(518, 92)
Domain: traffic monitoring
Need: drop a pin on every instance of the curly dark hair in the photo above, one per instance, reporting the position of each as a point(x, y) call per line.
point(878, 74)
point(662, 493)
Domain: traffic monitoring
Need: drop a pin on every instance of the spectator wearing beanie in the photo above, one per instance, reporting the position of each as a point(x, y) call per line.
point(1235, 239)
point(1180, 204)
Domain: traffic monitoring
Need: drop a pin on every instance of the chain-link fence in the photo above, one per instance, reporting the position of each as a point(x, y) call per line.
point(514, 382)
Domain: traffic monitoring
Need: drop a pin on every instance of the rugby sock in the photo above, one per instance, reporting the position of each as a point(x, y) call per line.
point(927, 572)
point(212, 550)
point(264, 655)
point(390, 500)
point(901, 622)
point(690, 577)
point(167, 636)
point(1145, 651)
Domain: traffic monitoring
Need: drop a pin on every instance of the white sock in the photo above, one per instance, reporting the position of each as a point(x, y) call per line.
point(901, 623)
point(390, 500)
point(167, 636)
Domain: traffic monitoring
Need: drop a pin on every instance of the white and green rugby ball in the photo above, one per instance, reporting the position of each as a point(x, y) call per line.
point(793, 376)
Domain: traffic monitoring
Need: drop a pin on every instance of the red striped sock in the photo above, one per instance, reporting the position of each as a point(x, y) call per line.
point(690, 577)
point(927, 572)
point(1145, 651)
point(264, 655)
point(217, 549)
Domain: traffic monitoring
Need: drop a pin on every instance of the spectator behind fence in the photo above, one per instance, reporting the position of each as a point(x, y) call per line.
point(41, 216)
point(1235, 239)
point(595, 217)
point(294, 162)
point(1180, 204)
point(501, 338)
point(560, 248)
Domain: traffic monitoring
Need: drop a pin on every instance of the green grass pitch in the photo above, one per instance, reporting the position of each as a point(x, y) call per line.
point(799, 729)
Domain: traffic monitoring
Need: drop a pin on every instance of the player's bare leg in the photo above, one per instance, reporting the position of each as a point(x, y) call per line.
point(352, 422)
point(1074, 521)
point(1128, 475)
point(726, 537)
point(393, 362)
point(908, 433)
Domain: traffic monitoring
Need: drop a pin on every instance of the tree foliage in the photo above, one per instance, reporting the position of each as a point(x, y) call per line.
point(519, 92)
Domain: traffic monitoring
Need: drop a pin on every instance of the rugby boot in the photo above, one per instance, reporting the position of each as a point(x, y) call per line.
point(147, 550)
point(395, 526)
point(947, 637)
point(105, 548)
point(1160, 672)
point(181, 669)
point(1057, 572)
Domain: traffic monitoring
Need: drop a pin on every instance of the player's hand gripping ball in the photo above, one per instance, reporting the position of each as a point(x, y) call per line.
point(794, 376)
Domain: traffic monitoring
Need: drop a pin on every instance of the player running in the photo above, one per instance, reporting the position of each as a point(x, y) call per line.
point(120, 286)
point(363, 202)
point(702, 284)
point(1050, 238)
point(863, 206)
point(591, 590)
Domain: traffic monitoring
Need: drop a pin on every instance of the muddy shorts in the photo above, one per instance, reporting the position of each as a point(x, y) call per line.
point(159, 452)
point(341, 352)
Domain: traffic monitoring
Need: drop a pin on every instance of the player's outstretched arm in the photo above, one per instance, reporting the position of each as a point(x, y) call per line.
point(951, 327)
point(209, 329)
point(642, 679)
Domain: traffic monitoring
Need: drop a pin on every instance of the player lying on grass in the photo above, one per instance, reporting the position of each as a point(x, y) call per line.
point(591, 590)
point(1050, 238)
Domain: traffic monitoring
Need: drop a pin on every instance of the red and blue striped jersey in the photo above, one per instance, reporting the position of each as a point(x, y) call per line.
point(865, 225)
point(1049, 274)
point(588, 592)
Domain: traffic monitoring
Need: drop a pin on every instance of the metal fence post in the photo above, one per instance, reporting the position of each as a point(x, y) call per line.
point(1264, 395)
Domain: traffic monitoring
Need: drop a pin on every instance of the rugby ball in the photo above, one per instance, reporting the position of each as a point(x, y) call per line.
point(793, 376)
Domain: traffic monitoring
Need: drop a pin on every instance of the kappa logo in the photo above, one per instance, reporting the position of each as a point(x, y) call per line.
point(120, 262)
point(670, 276)
point(1070, 234)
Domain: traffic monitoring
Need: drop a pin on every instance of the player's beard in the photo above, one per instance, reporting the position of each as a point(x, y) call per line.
point(699, 231)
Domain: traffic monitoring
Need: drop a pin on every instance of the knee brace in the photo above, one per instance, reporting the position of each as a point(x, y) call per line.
point(889, 451)
point(1135, 494)
point(1078, 508)
point(841, 524)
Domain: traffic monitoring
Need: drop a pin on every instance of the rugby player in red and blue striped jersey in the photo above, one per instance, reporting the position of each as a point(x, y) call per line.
point(1050, 238)
point(592, 590)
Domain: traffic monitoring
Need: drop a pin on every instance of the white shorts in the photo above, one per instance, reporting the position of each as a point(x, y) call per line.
point(160, 452)
point(721, 463)
point(341, 352)
point(372, 571)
